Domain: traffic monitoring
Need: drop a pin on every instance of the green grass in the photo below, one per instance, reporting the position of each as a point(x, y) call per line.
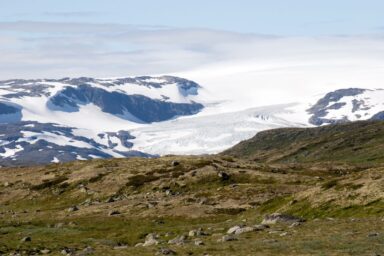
point(356, 142)
point(251, 191)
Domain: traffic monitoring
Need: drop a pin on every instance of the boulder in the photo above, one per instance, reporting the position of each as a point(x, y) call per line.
point(233, 229)
point(260, 227)
point(244, 230)
point(26, 239)
point(197, 232)
point(281, 218)
point(227, 238)
point(223, 175)
point(165, 251)
point(180, 240)
point(199, 242)
point(151, 239)
point(175, 163)
point(114, 212)
point(73, 208)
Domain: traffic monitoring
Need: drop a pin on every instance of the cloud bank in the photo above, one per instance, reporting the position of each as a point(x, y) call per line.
point(264, 65)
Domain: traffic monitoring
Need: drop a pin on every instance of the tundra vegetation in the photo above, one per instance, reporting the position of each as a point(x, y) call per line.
point(316, 191)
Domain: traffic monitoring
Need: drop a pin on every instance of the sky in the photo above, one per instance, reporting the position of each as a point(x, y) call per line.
point(277, 17)
point(265, 45)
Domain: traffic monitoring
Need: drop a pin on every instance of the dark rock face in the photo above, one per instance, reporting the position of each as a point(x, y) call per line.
point(7, 109)
point(320, 109)
point(123, 136)
point(9, 113)
point(378, 116)
point(137, 108)
point(20, 88)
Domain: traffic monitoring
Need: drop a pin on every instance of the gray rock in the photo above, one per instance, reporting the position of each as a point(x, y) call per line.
point(59, 225)
point(110, 199)
point(295, 224)
point(260, 227)
point(233, 229)
point(88, 250)
point(281, 218)
point(180, 240)
point(244, 230)
point(373, 234)
point(45, 251)
point(114, 212)
point(166, 251)
point(67, 251)
point(223, 175)
point(122, 247)
point(199, 242)
point(197, 232)
point(175, 163)
point(151, 239)
point(26, 239)
point(73, 208)
point(227, 238)
point(203, 201)
point(237, 230)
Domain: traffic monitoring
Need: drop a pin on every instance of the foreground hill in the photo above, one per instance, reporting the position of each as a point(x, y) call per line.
point(355, 142)
point(211, 205)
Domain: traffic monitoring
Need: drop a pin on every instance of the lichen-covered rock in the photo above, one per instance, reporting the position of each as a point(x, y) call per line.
point(281, 218)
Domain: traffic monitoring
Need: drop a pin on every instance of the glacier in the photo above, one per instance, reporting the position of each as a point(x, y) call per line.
point(51, 121)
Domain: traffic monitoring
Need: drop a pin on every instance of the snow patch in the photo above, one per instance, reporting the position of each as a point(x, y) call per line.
point(9, 152)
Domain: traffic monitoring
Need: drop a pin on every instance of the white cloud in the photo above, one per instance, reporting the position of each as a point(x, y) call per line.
point(267, 67)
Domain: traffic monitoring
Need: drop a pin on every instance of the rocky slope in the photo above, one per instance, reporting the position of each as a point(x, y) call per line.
point(354, 142)
point(216, 205)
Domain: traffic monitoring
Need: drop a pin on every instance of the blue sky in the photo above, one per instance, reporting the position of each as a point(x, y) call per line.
point(278, 17)
point(103, 38)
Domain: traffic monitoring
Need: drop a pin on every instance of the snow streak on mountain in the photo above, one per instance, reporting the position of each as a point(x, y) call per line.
point(47, 120)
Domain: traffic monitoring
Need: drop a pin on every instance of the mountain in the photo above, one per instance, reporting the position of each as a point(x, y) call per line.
point(348, 105)
point(60, 120)
point(216, 132)
point(353, 142)
point(47, 120)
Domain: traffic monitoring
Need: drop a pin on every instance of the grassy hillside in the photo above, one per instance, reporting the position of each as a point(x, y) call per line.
point(357, 142)
point(107, 207)
point(179, 205)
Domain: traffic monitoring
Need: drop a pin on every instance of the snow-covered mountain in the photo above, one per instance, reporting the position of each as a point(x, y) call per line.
point(216, 132)
point(350, 104)
point(48, 120)
point(61, 120)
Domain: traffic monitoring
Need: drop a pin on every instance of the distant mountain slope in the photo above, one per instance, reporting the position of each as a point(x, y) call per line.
point(85, 118)
point(68, 119)
point(138, 100)
point(350, 104)
point(350, 142)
